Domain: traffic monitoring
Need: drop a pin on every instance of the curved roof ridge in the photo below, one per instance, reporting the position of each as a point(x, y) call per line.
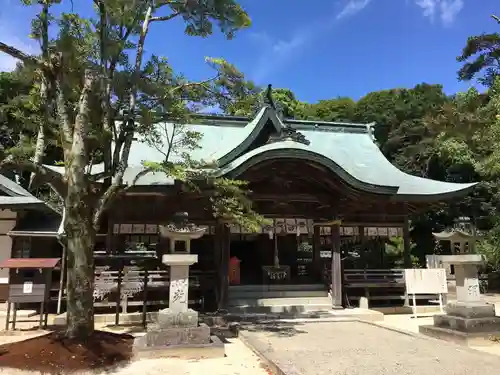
point(252, 131)
point(357, 160)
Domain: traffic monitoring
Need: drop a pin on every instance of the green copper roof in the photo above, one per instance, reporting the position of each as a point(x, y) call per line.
point(16, 196)
point(355, 158)
point(347, 149)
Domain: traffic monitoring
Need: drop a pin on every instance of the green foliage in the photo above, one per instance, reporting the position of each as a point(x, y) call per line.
point(481, 55)
point(339, 109)
point(394, 250)
point(91, 92)
point(230, 201)
point(489, 246)
point(200, 15)
point(229, 198)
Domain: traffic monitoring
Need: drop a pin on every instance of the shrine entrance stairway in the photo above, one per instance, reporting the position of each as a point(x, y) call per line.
point(281, 299)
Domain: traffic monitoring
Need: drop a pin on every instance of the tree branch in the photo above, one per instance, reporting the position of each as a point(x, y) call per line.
point(45, 92)
point(46, 175)
point(18, 54)
point(62, 108)
point(194, 84)
point(127, 133)
point(164, 18)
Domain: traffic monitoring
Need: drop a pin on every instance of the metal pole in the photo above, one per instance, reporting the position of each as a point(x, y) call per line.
point(61, 278)
point(60, 233)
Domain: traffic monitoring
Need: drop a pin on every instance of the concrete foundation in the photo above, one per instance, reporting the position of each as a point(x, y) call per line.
point(213, 349)
point(178, 334)
point(461, 338)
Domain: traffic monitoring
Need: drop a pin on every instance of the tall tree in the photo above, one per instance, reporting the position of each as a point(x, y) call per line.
point(338, 109)
point(481, 58)
point(399, 130)
point(96, 91)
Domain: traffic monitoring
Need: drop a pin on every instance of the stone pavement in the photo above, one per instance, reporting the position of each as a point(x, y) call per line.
point(354, 348)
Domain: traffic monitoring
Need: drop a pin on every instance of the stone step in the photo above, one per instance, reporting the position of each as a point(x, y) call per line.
point(298, 301)
point(278, 309)
point(280, 305)
point(239, 294)
point(283, 287)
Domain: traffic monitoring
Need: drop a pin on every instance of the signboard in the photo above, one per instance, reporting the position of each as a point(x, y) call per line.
point(280, 226)
point(28, 287)
point(426, 281)
point(325, 254)
point(302, 226)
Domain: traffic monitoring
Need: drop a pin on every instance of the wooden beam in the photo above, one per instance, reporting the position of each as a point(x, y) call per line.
point(373, 224)
point(257, 196)
point(336, 288)
point(406, 244)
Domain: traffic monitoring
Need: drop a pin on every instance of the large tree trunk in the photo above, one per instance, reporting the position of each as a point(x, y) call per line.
point(80, 233)
point(80, 240)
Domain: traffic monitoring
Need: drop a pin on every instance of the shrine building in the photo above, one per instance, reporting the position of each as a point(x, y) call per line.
point(332, 198)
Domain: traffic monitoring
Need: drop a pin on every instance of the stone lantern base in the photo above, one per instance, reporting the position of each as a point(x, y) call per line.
point(468, 323)
point(469, 320)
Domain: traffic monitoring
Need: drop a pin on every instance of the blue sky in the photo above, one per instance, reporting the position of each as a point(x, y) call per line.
point(318, 48)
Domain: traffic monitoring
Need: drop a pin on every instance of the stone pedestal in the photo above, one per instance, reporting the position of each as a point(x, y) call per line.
point(467, 283)
point(179, 280)
point(468, 319)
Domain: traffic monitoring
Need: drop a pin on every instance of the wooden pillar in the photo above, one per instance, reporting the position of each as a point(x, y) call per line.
point(361, 233)
point(362, 240)
point(336, 287)
point(222, 250)
point(110, 236)
point(406, 244)
point(318, 264)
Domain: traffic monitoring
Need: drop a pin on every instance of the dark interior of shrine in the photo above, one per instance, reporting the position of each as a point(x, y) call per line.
point(258, 250)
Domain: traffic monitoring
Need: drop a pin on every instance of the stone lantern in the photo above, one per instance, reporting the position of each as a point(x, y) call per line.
point(177, 326)
point(181, 232)
point(469, 317)
point(462, 234)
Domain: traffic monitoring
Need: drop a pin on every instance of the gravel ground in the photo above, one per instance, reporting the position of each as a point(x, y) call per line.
point(354, 348)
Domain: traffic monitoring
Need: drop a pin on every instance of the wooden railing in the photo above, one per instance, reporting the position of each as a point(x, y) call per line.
point(374, 278)
point(132, 287)
point(378, 285)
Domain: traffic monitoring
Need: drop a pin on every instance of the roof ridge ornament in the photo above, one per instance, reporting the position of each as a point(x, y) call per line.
point(371, 130)
point(269, 101)
point(287, 133)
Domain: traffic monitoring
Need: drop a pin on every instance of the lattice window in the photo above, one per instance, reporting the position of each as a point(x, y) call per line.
point(22, 247)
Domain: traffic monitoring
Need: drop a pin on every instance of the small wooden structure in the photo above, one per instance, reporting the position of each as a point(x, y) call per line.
point(29, 282)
